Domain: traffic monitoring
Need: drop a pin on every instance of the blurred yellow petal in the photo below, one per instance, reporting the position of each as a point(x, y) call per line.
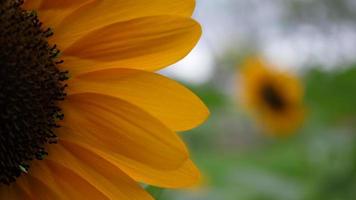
point(171, 103)
point(148, 43)
point(274, 97)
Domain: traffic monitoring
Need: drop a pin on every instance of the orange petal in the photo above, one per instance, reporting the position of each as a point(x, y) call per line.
point(170, 102)
point(139, 139)
point(98, 14)
point(64, 181)
point(52, 13)
point(105, 177)
point(32, 4)
point(41, 173)
point(38, 190)
point(13, 192)
point(73, 184)
point(131, 149)
point(187, 175)
point(148, 43)
point(62, 4)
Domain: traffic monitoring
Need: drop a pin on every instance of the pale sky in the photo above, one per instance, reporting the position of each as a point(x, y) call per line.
point(262, 23)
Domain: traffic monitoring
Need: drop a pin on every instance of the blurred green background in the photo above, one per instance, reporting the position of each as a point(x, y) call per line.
point(315, 39)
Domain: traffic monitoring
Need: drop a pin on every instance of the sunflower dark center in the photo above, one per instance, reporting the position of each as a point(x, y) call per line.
point(30, 87)
point(272, 97)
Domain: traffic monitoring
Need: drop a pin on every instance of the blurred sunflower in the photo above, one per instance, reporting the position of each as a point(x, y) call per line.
point(275, 98)
point(113, 120)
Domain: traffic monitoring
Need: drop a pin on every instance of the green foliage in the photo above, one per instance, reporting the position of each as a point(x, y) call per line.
point(332, 95)
point(156, 192)
point(212, 97)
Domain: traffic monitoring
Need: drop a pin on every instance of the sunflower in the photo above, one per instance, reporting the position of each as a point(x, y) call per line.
point(274, 97)
point(84, 116)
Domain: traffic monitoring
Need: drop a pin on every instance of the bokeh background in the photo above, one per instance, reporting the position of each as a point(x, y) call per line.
point(313, 39)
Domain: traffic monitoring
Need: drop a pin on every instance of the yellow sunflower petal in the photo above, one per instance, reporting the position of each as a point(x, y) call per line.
point(105, 177)
point(32, 4)
point(186, 175)
point(102, 13)
point(62, 4)
point(41, 173)
point(13, 192)
point(148, 43)
point(171, 103)
point(38, 190)
point(65, 181)
point(52, 13)
point(120, 127)
point(109, 11)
